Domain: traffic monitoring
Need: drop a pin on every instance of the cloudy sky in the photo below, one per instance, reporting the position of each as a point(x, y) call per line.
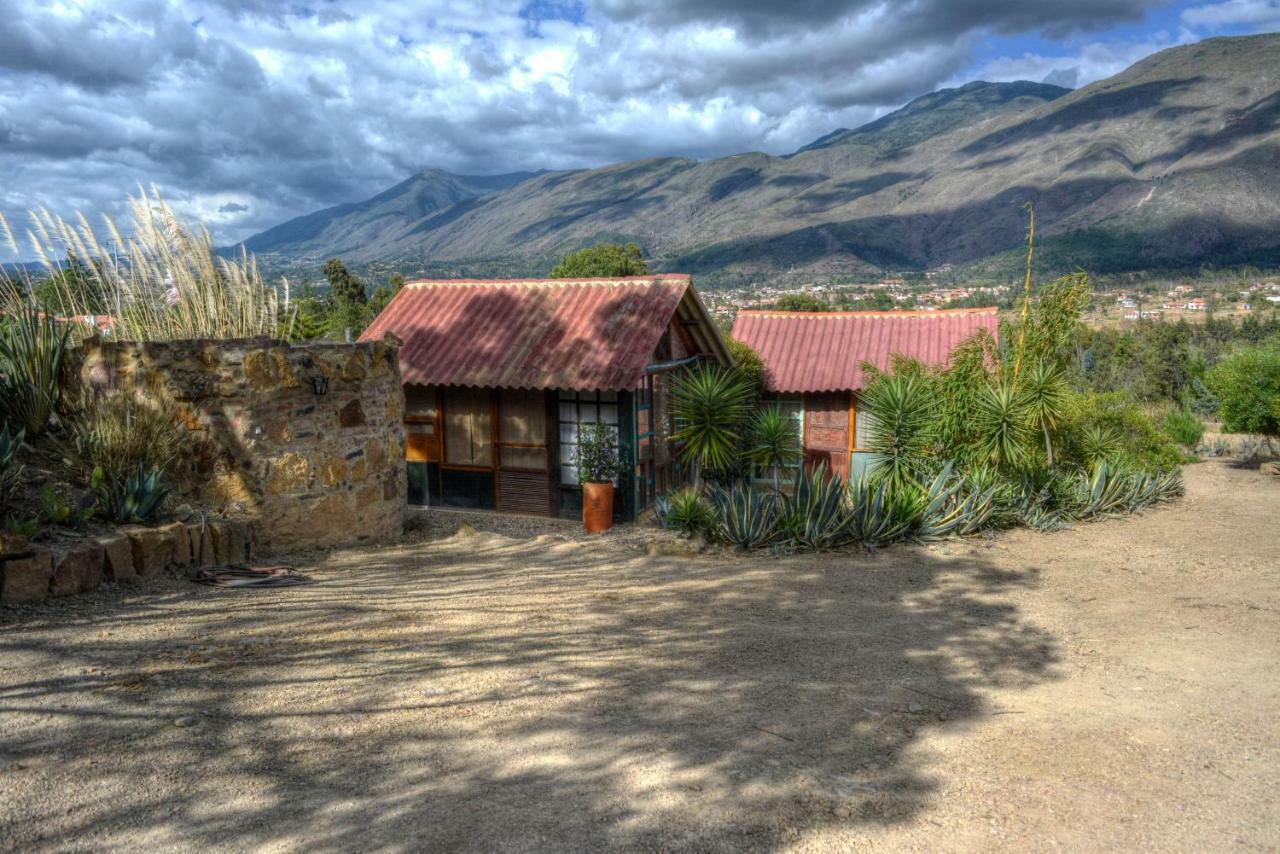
point(247, 112)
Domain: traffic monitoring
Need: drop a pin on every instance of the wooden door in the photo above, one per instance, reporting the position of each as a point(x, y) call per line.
point(826, 433)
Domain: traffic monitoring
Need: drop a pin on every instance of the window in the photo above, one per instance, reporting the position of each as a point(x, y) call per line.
point(864, 423)
point(522, 430)
point(795, 409)
point(576, 409)
point(468, 427)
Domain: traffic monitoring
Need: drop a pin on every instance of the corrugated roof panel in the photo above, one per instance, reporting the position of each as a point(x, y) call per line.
point(824, 351)
point(530, 333)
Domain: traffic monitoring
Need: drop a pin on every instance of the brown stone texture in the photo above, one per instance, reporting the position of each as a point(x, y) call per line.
point(77, 570)
point(230, 540)
point(26, 579)
point(304, 469)
point(152, 549)
point(181, 543)
point(117, 558)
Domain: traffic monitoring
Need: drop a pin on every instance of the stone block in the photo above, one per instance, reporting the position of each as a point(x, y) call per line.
point(351, 415)
point(290, 473)
point(332, 471)
point(26, 579)
point(152, 549)
point(77, 570)
point(117, 553)
point(201, 544)
point(230, 541)
point(181, 543)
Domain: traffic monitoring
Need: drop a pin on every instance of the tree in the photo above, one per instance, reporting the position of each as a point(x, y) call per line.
point(1044, 395)
point(801, 302)
point(383, 293)
point(1247, 384)
point(344, 287)
point(775, 441)
point(604, 260)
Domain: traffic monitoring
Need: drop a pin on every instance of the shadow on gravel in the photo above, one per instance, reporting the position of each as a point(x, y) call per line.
point(490, 694)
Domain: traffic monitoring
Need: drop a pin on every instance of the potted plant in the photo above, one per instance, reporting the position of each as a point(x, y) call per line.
point(597, 467)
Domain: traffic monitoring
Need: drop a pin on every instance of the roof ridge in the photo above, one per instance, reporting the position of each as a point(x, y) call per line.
point(893, 312)
point(535, 280)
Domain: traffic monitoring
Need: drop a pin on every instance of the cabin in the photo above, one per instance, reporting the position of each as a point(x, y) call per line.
point(813, 366)
point(500, 375)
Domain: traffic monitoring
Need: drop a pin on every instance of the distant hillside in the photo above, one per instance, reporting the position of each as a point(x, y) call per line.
point(1174, 162)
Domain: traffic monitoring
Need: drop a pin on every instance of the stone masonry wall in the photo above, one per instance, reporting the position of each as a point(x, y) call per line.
point(305, 440)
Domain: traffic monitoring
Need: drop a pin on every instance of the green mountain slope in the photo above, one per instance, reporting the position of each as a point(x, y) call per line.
point(1173, 162)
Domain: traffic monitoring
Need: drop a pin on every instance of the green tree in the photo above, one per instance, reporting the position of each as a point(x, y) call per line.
point(775, 442)
point(343, 287)
point(801, 302)
point(604, 260)
point(1247, 385)
point(1044, 396)
point(382, 294)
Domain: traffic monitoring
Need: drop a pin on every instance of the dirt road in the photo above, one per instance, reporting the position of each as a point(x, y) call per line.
point(1115, 686)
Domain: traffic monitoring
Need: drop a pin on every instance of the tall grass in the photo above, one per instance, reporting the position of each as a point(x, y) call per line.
point(160, 279)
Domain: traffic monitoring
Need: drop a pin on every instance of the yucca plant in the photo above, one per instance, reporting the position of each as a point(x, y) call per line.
point(775, 442)
point(1043, 391)
point(900, 410)
point(33, 348)
point(815, 510)
point(954, 508)
point(1098, 444)
point(745, 516)
point(685, 511)
point(709, 405)
point(137, 497)
point(877, 516)
point(1003, 426)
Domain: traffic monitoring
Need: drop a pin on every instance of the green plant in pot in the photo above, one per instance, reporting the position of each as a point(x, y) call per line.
point(597, 461)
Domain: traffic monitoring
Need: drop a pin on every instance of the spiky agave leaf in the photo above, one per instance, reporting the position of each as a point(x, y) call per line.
point(814, 512)
point(745, 516)
point(954, 508)
point(877, 516)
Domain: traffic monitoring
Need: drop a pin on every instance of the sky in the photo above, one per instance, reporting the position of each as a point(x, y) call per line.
point(247, 112)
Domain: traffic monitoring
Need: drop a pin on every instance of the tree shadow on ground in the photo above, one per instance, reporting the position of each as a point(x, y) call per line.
point(492, 694)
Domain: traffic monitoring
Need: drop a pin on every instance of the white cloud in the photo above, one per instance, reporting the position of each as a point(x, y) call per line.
point(1261, 15)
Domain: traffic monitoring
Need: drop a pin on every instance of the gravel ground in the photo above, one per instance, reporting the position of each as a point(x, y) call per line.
point(1111, 687)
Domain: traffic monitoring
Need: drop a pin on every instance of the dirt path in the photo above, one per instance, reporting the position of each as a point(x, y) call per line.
point(1115, 686)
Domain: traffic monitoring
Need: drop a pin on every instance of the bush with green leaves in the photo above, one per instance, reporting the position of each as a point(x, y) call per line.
point(601, 260)
point(597, 454)
point(1183, 427)
point(1247, 385)
point(33, 348)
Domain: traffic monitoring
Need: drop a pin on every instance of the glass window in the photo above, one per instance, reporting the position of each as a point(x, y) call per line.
point(863, 423)
point(584, 409)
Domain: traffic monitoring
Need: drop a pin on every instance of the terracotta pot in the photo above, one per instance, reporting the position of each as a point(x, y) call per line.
point(597, 507)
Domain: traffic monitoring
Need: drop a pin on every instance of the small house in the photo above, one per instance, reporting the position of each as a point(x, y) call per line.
point(500, 376)
point(813, 365)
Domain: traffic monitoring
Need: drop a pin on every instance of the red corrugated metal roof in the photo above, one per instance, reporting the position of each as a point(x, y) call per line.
point(530, 333)
point(824, 351)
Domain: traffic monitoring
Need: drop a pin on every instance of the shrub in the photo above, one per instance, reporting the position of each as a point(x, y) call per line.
point(33, 347)
point(955, 507)
point(1183, 427)
point(813, 514)
point(601, 260)
point(774, 442)
point(597, 454)
point(900, 407)
point(879, 513)
point(685, 511)
point(10, 468)
point(116, 433)
point(1139, 443)
point(1247, 385)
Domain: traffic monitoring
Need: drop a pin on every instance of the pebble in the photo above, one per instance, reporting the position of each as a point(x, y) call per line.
point(184, 722)
point(915, 708)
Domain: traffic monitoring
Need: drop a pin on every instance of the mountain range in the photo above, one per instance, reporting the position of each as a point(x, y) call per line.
point(1174, 163)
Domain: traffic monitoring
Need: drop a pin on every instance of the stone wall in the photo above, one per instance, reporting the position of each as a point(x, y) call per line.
point(304, 440)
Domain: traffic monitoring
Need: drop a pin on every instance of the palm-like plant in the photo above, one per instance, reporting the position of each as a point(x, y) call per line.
point(1098, 444)
point(709, 405)
point(775, 442)
point(1003, 426)
point(33, 347)
point(900, 409)
point(1044, 398)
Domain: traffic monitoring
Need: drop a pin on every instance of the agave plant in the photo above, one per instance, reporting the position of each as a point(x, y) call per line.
point(684, 511)
point(135, 498)
point(33, 347)
point(900, 410)
point(877, 514)
point(709, 405)
point(954, 508)
point(1105, 490)
point(775, 442)
point(746, 516)
point(814, 512)
point(10, 469)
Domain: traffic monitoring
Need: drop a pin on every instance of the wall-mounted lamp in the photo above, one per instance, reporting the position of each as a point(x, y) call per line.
point(320, 383)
